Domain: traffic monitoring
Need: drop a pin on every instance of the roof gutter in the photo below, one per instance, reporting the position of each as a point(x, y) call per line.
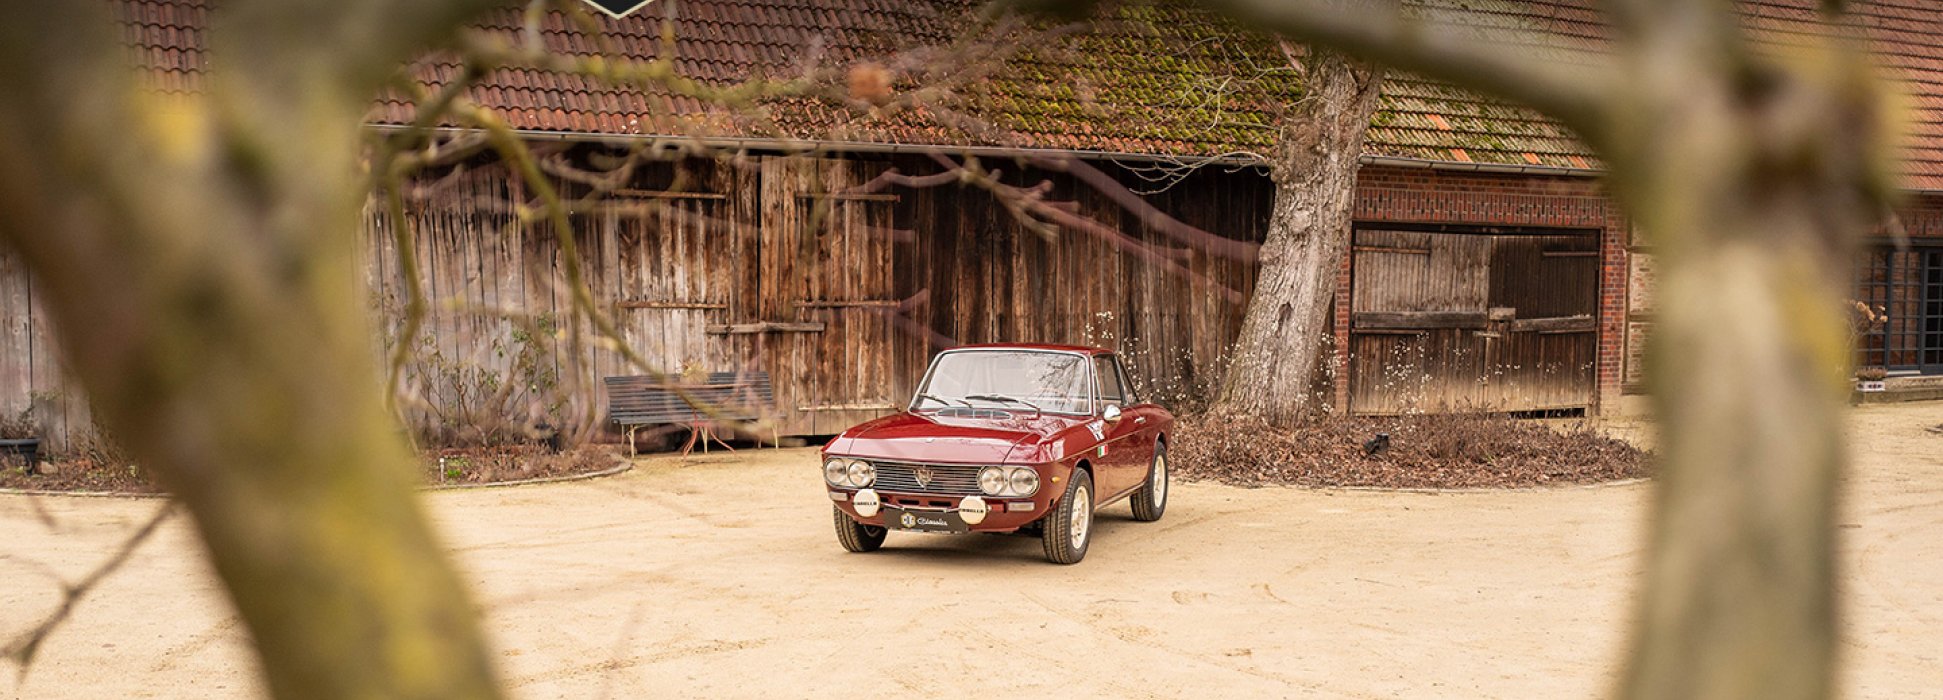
point(828, 145)
point(1471, 167)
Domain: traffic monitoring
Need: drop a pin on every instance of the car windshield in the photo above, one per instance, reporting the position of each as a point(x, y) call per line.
point(1017, 380)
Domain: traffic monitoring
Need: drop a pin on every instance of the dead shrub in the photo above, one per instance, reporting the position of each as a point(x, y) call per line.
point(1423, 451)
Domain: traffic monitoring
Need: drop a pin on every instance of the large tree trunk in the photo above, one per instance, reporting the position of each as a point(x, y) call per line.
point(1286, 329)
point(1752, 179)
point(201, 263)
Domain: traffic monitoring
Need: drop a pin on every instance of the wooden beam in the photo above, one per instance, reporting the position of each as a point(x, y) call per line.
point(1388, 331)
point(858, 303)
point(1416, 320)
point(1561, 324)
point(1568, 254)
point(849, 197)
point(660, 194)
point(1390, 249)
point(764, 327)
point(640, 304)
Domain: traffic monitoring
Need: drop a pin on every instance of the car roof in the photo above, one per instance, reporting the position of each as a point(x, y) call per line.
point(1081, 349)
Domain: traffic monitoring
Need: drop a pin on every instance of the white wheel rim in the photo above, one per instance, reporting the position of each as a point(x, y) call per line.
point(1160, 479)
point(1082, 518)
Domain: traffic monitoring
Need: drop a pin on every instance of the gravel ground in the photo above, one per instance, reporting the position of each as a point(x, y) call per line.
point(719, 577)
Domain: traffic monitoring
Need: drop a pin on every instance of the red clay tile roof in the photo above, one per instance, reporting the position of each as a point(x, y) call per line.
point(1160, 80)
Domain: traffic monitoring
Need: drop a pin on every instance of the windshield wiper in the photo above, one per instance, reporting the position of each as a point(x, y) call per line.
point(944, 401)
point(1008, 399)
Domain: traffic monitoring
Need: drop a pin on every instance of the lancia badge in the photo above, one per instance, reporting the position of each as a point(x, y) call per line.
point(924, 475)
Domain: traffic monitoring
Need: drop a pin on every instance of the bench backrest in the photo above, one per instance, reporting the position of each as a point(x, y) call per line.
point(643, 400)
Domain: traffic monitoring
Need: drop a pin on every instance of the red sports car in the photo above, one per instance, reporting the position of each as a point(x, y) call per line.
point(1005, 439)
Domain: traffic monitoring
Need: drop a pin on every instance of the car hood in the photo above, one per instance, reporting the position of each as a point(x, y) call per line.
point(929, 438)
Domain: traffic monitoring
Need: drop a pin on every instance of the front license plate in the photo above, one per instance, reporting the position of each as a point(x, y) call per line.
point(923, 520)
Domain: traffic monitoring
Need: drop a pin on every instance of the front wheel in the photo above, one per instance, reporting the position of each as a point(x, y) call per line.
point(1069, 527)
point(856, 536)
point(1150, 502)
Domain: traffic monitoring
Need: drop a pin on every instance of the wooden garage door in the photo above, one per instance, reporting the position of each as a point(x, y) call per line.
point(830, 261)
point(1472, 321)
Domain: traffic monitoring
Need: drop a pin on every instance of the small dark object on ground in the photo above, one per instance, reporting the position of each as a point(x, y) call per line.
point(1377, 444)
point(24, 450)
point(1429, 451)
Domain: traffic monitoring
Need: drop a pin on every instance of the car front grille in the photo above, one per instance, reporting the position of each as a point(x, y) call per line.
point(952, 479)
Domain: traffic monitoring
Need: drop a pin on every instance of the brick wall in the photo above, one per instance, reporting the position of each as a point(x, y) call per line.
point(1423, 196)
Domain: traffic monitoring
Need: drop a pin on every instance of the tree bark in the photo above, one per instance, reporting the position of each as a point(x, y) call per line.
point(201, 261)
point(1287, 326)
point(1752, 178)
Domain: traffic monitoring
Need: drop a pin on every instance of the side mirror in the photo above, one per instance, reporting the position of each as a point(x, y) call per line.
point(1111, 414)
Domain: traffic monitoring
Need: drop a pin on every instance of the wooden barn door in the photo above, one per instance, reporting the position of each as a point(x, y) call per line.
point(829, 281)
point(681, 264)
point(1463, 321)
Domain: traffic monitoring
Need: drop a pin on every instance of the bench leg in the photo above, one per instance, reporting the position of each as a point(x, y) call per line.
point(689, 446)
point(630, 441)
point(707, 431)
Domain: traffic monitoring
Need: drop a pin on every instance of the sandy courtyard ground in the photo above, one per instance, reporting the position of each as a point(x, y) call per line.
point(720, 577)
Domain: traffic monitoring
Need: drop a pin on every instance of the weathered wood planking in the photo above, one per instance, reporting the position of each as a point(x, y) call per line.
point(32, 374)
point(1499, 322)
point(894, 277)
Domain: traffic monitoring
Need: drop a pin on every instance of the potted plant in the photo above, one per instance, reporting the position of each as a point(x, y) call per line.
point(20, 439)
point(1871, 379)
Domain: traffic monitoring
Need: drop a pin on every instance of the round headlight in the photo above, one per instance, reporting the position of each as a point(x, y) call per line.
point(991, 480)
point(837, 472)
point(1025, 482)
point(862, 473)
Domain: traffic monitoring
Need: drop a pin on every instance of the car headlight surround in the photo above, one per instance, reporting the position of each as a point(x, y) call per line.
point(836, 471)
point(1023, 481)
point(861, 473)
point(992, 481)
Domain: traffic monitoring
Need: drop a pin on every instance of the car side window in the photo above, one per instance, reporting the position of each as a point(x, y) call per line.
point(1129, 397)
point(1112, 389)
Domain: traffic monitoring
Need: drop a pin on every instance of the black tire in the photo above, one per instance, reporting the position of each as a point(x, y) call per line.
point(1066, 543)
point(856, 536)
point(1150, 502)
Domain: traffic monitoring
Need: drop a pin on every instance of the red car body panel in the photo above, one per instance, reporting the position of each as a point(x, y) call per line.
point(1117, 455)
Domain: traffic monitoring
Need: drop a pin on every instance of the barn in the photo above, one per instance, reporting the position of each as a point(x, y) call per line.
point(824, 241)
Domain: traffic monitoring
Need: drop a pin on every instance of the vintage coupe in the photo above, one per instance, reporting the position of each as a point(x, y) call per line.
point(1028, 439)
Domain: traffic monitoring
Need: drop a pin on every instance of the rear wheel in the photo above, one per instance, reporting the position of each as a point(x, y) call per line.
point(1150, 502)
point(1069, 527)
point(856, 536)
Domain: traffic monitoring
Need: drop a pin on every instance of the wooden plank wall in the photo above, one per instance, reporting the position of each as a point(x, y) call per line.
point(893, 276)
point(31, 372)
point(990, 280)
point(1483, 363)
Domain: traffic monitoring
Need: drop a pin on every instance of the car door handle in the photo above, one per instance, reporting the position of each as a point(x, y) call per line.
point(1139, 419)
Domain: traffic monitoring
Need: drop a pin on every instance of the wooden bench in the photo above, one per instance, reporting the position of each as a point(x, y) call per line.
point(638, 401)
